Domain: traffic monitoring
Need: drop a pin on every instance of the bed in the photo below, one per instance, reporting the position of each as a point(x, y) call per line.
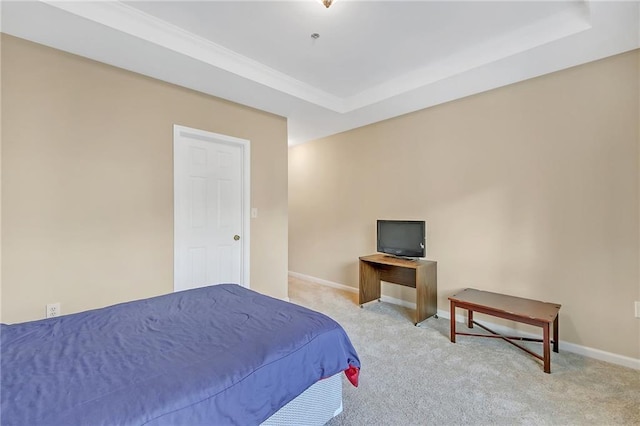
point(215, 355)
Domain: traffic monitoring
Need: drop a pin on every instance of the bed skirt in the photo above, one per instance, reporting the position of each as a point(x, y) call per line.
point(315, 406)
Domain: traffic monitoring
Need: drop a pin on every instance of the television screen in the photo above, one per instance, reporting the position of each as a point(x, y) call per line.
point(404, 238)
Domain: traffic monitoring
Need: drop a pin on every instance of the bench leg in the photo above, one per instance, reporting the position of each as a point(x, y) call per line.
point(546, 348)
point(556, 338)
point(452, 314)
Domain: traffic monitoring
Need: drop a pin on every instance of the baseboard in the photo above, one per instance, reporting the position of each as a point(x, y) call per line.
point(323, 282)
point(350, 289)
point(598, 354)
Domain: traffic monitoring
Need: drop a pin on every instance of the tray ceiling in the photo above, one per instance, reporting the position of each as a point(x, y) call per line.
point(372, 60)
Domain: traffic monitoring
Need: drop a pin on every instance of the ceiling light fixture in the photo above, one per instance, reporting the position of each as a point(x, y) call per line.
point(327, 3)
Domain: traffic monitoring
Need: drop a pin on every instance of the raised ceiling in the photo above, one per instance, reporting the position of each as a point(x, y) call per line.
point(373, 60)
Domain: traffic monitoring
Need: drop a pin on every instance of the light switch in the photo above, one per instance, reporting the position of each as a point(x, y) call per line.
point(254, 213)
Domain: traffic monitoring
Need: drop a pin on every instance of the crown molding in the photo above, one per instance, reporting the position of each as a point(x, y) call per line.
point(553, 28)
point(119, 35)
point(129, 20)
point(132, 21)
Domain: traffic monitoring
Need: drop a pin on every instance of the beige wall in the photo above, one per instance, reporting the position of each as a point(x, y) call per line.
point(530, 190)
point(87, 184)
point(1, 39)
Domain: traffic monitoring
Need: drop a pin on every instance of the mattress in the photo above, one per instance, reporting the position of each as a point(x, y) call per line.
point(215, 355)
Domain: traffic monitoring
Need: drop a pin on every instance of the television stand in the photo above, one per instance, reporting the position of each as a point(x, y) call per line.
point(417, 273)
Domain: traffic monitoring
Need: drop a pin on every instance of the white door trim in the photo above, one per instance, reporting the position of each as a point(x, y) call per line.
point(245, 146)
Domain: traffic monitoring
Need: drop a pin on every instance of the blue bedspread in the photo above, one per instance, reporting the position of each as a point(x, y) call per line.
point(215, 355)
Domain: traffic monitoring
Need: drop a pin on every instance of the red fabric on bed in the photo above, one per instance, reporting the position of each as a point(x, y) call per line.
point(352, 374)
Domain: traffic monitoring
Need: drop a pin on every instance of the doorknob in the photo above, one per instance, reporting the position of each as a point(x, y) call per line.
point(236, 237)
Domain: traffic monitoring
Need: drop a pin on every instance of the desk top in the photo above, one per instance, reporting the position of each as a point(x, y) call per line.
point(518, 306)
point(385, 259)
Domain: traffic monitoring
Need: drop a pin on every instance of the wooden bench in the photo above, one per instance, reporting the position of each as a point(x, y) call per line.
point(518, 309)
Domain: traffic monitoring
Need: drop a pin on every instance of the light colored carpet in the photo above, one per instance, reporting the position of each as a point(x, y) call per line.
point(416, 376)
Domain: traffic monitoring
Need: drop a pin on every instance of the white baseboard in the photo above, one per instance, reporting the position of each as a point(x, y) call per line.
point(601, 355)
point(323, 282)
point(350, 289)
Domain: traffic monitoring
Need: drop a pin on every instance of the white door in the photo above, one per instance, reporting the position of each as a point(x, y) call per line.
point(211, 193)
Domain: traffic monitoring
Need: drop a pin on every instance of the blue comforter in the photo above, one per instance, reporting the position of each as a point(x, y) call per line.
point(215, 355)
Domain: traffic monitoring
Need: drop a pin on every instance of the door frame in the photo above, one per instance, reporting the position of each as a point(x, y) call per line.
point(245, 145)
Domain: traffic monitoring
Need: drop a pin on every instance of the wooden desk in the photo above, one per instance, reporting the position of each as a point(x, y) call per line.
point(418, 274)
point(518, 309)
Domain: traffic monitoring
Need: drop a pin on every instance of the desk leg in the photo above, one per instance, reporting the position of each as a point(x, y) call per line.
point(556, 338)
point(421, 294)
point(546, 348)
point(369, 283)
point(469, 318)
point(452, 313)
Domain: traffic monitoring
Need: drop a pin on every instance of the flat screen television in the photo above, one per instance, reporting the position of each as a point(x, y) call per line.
point(403, 238)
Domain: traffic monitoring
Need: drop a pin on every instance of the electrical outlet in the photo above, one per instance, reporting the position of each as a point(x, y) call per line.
point(53, 310)
point(637, 309)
